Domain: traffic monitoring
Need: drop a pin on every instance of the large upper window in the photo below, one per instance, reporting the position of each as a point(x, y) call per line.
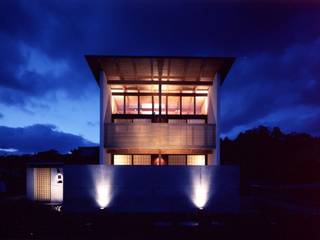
point(117, 104)
point(201, 105)
point(131, 105)
point(187, 105)
point(145, 104)
point(173, 105)
point(170, 104)
point(157, 103)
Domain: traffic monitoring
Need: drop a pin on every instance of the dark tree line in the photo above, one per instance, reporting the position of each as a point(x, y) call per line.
point(267, 155)
point(13, 167)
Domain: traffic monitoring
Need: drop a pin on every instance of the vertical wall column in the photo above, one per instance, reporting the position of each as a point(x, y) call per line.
point(216, 90)
point(214, 117)
point(105, 114)
point(30, 183)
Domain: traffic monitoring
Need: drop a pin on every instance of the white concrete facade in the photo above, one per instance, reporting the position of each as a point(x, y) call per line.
point(214, 116)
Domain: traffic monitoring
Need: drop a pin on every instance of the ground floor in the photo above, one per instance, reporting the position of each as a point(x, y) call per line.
point(160, 159)
point(88, 188)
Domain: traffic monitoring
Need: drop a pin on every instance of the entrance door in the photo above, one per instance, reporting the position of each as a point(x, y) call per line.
point(42, 188)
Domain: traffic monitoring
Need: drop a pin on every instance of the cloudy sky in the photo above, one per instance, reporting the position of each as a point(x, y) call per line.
point(49, 99)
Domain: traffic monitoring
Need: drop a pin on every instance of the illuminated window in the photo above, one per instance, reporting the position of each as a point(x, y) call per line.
point(145, 104)
point(177, 159)
point(188, 105)
point(201, 105)
point(131, 104)
point(117, 104)
point(173, 105)
point(156, 105)
point(141, 159)
point(122, 159)
point(196, 160)
point(42, 184)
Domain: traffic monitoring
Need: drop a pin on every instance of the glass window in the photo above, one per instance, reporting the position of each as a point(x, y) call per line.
point(145, 104)
point(117, 104)
point(177, 159)
point(201, 105)
point(163, 105)
point(122, 159)
point(173, 105)
point(156, 105)
point(187, 105)
point(141, 159)
point(131, 104)
point(196, 160)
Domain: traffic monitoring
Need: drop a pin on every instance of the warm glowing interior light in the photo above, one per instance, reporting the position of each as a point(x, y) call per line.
point(202, 91)
point(187, 91)
point(196, 160)
point(122, 159)
point(117, 90)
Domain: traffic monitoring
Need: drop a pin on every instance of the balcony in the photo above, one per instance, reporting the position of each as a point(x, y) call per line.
point(159, 136)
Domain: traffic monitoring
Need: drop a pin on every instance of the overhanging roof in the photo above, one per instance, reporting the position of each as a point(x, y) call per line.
point(166, 68)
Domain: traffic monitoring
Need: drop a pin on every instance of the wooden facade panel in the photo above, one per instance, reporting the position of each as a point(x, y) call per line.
point(42, 190)
point(162, 136)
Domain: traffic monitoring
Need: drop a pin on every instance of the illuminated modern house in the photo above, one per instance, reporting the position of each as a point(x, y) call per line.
point(159, 110)
point(159, 140)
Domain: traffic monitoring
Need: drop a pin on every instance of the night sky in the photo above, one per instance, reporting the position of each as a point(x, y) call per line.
point(49, 98)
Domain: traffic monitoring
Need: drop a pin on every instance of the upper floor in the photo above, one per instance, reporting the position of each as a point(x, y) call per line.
point(159, 104)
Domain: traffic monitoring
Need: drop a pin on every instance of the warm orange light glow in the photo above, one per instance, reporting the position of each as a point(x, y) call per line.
point(201, 105)
point(159, 161)
point(196, 160)
point(122, 159)
point(117, 104)
point(117, 90)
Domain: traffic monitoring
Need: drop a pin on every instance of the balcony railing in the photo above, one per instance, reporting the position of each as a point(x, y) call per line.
point(159, 135)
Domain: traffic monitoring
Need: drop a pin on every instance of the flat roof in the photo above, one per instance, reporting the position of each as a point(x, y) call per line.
point(166, 68)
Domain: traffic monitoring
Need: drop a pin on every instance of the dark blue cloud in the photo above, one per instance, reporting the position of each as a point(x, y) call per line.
point(276, 43)
point(39, 137)
point(269, 83)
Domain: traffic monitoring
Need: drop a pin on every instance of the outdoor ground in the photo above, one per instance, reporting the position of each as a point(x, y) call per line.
point(259, 218)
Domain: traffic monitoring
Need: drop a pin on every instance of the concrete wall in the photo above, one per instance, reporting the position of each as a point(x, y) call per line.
point(151, 188)
point(30, 183)
point(56, 187)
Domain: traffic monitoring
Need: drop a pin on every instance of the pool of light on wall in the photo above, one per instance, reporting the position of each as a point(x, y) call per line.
point(103, 194)
point(200, 188)
point(102, 187)
point(200, 196)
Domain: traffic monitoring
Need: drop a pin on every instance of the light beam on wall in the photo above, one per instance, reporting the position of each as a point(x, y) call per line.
point(200, 196)
point(103, 194)
point(201, 189)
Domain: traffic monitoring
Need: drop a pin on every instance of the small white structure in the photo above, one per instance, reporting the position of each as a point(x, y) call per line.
point(45, 183)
